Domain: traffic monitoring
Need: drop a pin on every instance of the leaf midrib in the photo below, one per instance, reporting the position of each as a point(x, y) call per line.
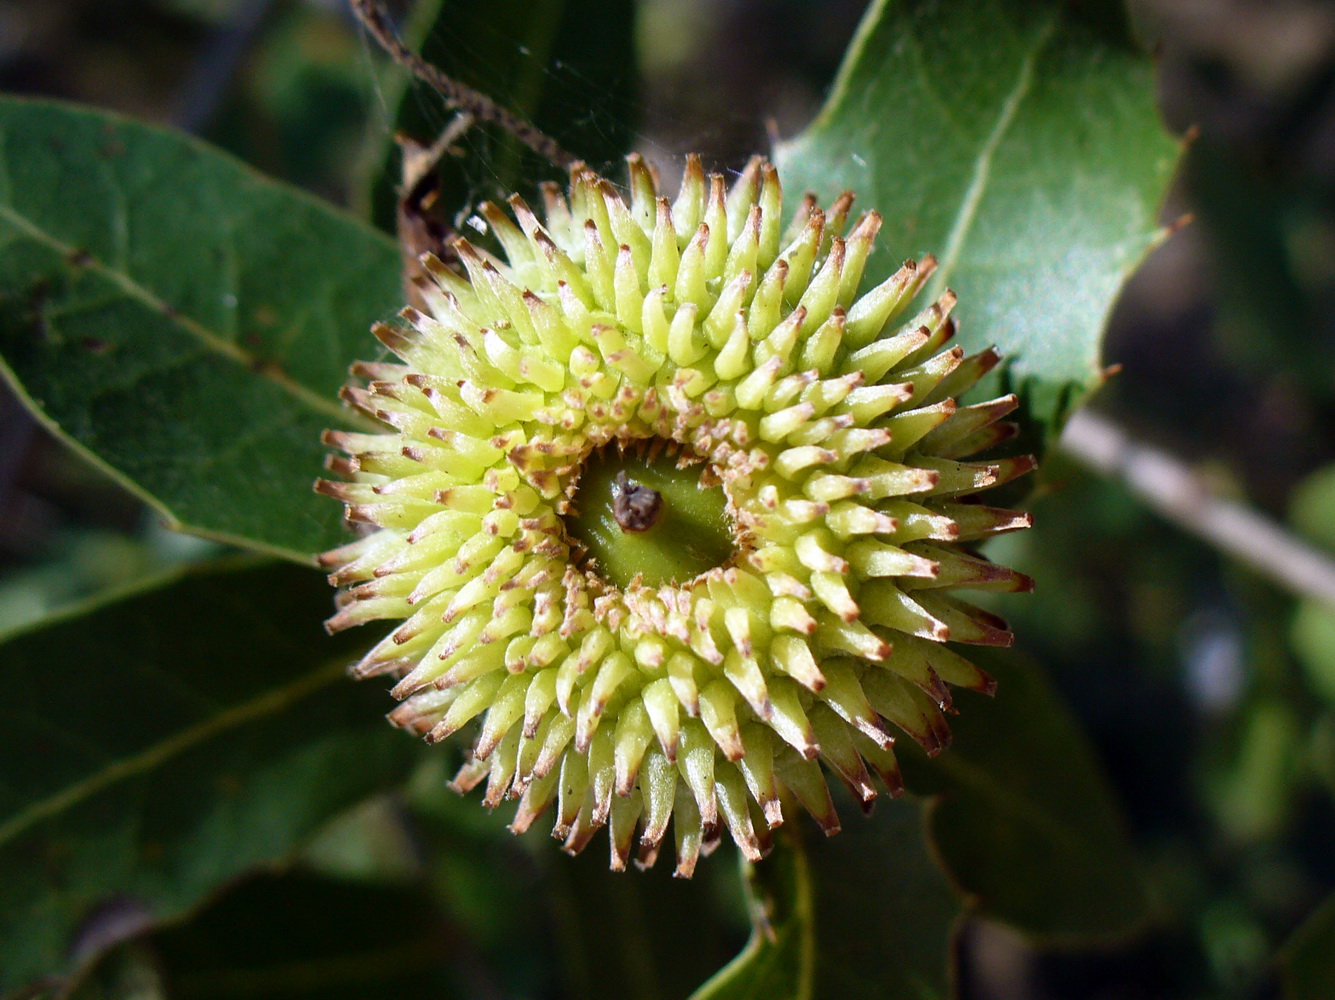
point(157, 754)
point(211, 340)
point(982, 163)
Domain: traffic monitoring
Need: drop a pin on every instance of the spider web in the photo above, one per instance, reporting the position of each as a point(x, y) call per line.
point(708, 94)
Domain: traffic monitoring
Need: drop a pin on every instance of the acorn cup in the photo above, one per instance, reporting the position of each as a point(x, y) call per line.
point(672, 513)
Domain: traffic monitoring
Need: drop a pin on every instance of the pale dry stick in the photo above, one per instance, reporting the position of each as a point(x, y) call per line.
point(1171, 487)
point(418, 161)
point(459, 96)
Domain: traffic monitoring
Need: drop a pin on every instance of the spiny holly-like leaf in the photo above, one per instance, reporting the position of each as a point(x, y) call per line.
point(180, 319)
point(863, 916)
point(1019, 143)
point(1024, 820)
point(157, 745)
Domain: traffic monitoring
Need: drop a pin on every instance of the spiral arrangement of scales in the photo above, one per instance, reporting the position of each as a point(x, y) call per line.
point(808, 436)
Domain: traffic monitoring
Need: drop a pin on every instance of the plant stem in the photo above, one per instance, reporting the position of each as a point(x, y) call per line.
point(1175, 490)
point(458, 95)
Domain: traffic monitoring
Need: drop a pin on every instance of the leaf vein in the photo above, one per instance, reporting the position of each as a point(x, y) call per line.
point(159, 753)
point(982, 164)
point(913, 45)
point(210, 339)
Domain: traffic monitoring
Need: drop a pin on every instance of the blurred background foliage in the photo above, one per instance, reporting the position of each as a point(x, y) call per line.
point(1209, 694)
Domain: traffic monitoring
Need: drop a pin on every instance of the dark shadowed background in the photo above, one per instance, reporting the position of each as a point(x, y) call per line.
point(1210, 692)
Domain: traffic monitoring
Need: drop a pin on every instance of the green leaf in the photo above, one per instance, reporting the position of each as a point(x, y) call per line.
point(1021, 146)
point(1253, 794)
point(1312, 633)
point(1312, 507)
point(598, 933)
point(155, 746)
point(649, 936)
point(567, 67)
point(1024, 821)
point(302, 936)
point(1307, 960)
point(865, 915)
point(181, 320)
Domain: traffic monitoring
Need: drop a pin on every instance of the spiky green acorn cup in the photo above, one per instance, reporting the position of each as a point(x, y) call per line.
point(670, 515)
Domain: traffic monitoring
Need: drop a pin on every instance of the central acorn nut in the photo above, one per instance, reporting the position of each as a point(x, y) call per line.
point(650, 513)
point(635, 506)
point(668, 516)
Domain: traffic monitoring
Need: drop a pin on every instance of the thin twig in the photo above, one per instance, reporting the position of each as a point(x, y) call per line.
point(460, 96)
point(1172, 488)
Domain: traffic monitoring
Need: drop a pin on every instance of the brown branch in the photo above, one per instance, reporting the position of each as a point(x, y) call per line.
point(1172, 488)
point(460, 96)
